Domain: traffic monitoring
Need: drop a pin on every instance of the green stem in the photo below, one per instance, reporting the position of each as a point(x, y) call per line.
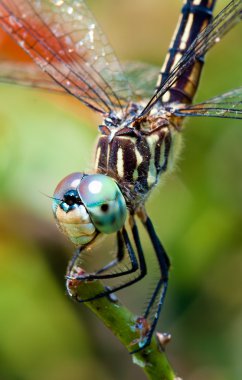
point(121, 322)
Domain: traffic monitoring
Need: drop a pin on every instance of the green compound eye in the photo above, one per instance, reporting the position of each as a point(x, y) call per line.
point(104, 202)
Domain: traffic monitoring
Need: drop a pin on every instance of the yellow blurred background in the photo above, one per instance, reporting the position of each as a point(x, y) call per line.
point(197, 214)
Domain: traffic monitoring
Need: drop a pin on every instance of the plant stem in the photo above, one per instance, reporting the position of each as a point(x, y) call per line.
point(121, 322)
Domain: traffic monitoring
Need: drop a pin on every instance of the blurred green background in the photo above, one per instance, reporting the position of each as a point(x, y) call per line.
point(197, 213)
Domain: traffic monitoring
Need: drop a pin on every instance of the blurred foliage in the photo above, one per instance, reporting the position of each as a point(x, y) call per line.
point(197, 213)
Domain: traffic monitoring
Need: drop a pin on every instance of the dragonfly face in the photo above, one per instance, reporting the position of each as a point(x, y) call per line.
point(139, 139)
point(85, 205)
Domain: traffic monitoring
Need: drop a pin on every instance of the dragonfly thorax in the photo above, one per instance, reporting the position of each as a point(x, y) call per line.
point(136, 151)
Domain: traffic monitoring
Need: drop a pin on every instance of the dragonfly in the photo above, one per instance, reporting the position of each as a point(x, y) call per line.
point(139, 133)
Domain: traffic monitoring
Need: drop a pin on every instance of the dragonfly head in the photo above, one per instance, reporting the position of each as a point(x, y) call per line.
point(85, 205)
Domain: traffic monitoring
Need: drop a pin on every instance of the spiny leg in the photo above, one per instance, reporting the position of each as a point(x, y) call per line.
point(122, 242)
point(140, 265)
point(161, 287)
point(119, 257)
point(163, 260)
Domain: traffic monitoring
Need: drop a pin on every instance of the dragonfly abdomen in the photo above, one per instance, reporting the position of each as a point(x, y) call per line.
point(195, 16)
point(137, 162)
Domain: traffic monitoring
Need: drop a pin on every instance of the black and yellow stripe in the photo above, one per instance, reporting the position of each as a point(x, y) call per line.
point(195, 16)
point(136, 161)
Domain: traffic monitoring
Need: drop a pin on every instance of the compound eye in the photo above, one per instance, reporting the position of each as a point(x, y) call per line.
point(104, 207)
point(69, 198)
point(65, 193)
point(104, 202)
point(70, 213)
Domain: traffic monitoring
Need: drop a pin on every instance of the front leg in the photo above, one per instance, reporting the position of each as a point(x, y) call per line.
point(74, 280)
point(122, 243)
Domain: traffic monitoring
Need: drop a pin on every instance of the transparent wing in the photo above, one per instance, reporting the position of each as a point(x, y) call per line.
point(228, 105)
point(27, 74)
point(30, 75)
point(211, 35)
point(136, 72)
point(64, 39)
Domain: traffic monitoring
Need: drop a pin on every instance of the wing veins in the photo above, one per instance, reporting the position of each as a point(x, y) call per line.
point(95, 68)
point(55, 55)
point(58, 71)
point(85, 71)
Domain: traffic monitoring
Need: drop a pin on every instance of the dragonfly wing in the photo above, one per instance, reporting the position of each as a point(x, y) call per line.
point(64, 39)
point(30, 75)
point(221, 24)
point(228, 105)
point(136, 72)
point(27, 74)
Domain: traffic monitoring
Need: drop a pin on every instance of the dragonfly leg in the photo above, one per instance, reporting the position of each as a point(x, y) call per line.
point(161, 287)
point(119, 257)
point(141, 265)
point(122, 238)
point(74, 258)
point(122, 242)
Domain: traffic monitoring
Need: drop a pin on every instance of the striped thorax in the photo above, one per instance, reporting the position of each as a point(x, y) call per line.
point(135, 154)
